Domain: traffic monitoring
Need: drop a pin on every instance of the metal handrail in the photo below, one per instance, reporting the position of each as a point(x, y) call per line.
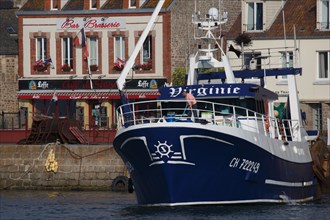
point(212, 113)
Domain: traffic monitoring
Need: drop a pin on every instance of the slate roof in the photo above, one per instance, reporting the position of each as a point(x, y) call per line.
point(302, 14)
point(113, 4)
point(8, 42)
point(153, 3)
point(33, 5)
point(73, 5)
point(39, 5)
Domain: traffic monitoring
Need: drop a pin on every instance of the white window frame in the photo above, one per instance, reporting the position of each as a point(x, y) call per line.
point(324, 22)
point(326, 63)
point(52, 4)
point(255, 13)
point(130, 5)
point(41, 48)
point(119, 52)
point(93, 50)
point(148, 41)
point(91, 5)
point(69, 49)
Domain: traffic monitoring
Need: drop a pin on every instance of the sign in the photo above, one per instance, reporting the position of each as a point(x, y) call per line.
point(218, 90)
point(90, 23)
point(45, 84)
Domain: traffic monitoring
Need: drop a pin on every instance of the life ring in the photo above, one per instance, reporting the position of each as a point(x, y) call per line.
point(120, 184)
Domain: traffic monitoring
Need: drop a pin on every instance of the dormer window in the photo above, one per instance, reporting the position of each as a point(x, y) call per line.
point(93, 4)
point(54, 4)
point(132, 3)
point(254, 16)
point(325, 14)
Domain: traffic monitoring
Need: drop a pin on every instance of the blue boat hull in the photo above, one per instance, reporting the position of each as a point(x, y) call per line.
point(186, 166)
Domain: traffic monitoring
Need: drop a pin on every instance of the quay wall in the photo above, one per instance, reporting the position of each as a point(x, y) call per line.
point(81, 167)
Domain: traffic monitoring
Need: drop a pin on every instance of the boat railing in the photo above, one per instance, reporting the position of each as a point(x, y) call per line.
point(167, 111)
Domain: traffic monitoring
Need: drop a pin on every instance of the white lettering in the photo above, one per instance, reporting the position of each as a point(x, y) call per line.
point(244, 164)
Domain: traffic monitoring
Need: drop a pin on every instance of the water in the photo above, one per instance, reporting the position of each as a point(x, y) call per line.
point(111, 205)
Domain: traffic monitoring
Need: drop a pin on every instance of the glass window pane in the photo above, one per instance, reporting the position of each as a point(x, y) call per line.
point(132, 3)
point(147, 50)
point(259, 17)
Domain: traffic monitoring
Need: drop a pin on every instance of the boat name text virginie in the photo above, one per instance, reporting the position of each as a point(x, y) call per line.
point(204, 91)
point(244, 164)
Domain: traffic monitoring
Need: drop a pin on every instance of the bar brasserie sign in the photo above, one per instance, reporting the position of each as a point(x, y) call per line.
point(90, 23)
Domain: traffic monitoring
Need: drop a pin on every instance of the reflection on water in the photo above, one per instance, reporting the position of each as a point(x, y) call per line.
point(110, 205)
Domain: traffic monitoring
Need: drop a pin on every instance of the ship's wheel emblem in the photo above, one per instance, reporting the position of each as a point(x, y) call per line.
point(163, 149)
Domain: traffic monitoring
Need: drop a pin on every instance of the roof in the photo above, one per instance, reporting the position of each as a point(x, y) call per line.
point(301, 14)
point(8, 32)
point(73, 5)
point(112, 4)
point(39, 5)
point(33, 5)
point(153, 3)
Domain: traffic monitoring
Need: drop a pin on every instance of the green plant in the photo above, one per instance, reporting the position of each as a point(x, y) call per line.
point(179, 76)
point(244, 39)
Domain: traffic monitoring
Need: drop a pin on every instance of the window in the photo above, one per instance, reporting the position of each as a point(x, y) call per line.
point(316, 116)
point(132, 4)
point(287, 61)
point(325, 14)
point(324, 64)
point(41, 48)
point(254, 16)
point(146, 54)
point(93, 4)
point(67, 51)
point(252, 60)
point(93, 50)
point(119, 48)
point(54, 4)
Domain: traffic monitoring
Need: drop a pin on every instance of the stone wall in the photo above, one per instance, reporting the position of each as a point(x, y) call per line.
point(182, 42)
point(92, 167)
point(8, 83)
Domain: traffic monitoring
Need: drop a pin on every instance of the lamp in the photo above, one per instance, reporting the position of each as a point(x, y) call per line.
point(73, 76)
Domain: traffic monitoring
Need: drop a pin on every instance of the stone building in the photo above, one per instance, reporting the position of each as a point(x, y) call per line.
point(8, 59)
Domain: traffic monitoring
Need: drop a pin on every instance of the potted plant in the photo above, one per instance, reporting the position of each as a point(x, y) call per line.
point(119, 65)
point(40, 66)
point(66, 68)
point(147, 65)
point(93, 67)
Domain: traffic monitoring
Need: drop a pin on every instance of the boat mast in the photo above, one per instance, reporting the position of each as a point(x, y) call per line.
point(208, 24)
point(129, 64)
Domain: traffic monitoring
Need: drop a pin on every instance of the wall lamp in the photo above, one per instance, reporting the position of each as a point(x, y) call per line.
point(73, 76)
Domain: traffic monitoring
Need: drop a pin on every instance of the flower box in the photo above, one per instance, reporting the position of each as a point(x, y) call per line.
point(93, 67)
point(66, 68)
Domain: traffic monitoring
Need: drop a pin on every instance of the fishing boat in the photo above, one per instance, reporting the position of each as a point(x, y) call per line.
point(230, 149)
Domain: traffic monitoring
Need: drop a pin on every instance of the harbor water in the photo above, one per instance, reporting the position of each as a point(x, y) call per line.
point(114, 205)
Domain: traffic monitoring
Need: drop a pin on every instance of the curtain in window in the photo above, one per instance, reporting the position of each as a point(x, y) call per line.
point(67, 51)
point(325, 15)
point(250, 18)
point(323, 62)
point(41, 48)
point(93, 51)
point(119, 48)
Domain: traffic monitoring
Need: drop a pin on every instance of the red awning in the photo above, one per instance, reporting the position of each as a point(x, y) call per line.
point(83, 95)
